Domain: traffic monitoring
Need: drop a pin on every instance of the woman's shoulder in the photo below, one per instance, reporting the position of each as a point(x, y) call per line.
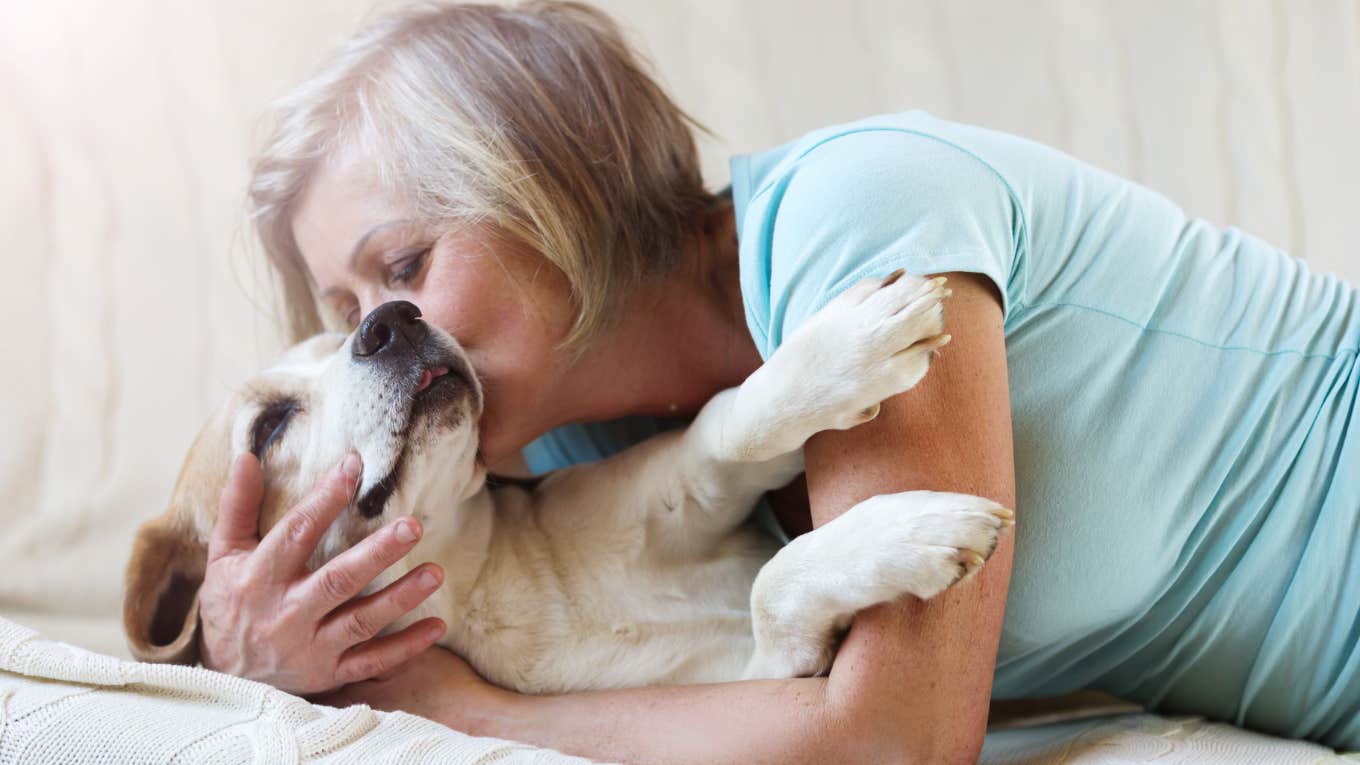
point(915, 146)
point(868, 184)
point(861, 200)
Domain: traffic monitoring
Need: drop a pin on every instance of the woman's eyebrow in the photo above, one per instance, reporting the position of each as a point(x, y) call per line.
point(359, 249)
point(363, 240)
point(361, 244)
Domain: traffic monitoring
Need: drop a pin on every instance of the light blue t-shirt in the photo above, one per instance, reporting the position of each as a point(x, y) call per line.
point(1183, 399)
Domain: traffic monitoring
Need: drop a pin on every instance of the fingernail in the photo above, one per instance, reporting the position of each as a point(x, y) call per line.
point(405, 531)
point(428, 580)
point(351, 467)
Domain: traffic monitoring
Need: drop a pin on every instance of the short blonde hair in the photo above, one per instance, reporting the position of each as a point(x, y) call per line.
point(537, 118)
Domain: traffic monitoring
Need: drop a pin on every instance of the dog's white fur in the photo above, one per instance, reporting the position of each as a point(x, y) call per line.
point(639, 569)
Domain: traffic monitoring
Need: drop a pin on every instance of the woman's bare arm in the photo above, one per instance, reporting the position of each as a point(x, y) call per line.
point(932, 660)
point(912, 681)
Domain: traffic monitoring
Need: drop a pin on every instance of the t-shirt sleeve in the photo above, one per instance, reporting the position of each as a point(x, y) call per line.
point(589, 442)
point(867, 203)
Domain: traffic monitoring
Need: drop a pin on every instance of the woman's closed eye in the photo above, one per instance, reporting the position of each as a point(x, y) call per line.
point(405, 266)
point(398, 269)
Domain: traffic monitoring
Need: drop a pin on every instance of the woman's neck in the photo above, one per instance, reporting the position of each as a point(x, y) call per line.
point(681, 339)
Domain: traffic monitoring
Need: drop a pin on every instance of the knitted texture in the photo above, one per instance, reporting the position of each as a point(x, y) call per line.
point(1147, 738)
point(62, 704)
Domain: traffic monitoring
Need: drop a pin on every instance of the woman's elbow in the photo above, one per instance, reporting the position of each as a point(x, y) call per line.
point(878, 735)
point(927, 748)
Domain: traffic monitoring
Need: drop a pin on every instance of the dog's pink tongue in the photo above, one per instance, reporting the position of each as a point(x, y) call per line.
point(428, 376)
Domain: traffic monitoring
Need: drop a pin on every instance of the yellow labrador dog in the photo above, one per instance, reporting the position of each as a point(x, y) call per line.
point(640, 569)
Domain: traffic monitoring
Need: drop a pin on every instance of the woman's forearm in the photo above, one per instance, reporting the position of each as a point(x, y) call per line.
point(784, 721)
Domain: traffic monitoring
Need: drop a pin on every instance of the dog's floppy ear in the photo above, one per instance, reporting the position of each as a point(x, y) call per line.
point(160, 601)
point(170, 554)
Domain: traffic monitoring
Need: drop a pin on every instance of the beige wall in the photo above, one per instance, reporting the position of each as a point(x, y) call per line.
point(125, 129)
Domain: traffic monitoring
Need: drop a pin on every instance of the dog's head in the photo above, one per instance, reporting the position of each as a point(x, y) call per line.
point(398, 391)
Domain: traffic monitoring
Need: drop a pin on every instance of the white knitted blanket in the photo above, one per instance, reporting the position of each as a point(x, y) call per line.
point(62, 704)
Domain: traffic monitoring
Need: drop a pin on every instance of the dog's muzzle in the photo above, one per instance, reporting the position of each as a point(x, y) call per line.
point(427, 370)
point(403, 348)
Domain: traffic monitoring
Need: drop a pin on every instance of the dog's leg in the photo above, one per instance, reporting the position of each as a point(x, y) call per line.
point(914, 543)
point(873, 341)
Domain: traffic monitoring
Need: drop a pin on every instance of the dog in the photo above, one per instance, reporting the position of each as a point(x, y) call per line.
point(640, 569)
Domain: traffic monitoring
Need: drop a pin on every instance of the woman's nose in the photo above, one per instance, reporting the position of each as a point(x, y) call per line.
point(389, 322)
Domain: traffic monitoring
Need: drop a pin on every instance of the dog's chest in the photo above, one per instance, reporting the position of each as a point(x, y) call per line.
point(580, 617)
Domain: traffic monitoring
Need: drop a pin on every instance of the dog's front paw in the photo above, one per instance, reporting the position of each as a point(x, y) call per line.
point(913, 543)
point(873, 341)
point(924, 541)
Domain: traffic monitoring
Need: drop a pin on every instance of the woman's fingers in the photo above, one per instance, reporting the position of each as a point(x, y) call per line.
point(292, 540)
point(362, 619)
point(238, 510)
point(381, 655)
point(269, 592)
point(348, 573)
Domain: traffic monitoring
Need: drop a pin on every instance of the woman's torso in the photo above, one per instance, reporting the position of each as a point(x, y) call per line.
point(1187, 463)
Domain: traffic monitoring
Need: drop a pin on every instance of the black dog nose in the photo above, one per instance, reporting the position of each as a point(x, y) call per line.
point(384, 324)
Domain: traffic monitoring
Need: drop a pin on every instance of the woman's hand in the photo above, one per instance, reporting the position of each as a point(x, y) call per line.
point(437, 685)
point(266, 617)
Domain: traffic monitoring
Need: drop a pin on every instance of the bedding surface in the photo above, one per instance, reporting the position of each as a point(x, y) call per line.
point(60, 703)
point(63, 704)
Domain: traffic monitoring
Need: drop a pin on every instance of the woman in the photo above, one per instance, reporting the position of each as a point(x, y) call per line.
point(1186, 465)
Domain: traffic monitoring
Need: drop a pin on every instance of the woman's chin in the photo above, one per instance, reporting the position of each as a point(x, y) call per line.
point(499, 454)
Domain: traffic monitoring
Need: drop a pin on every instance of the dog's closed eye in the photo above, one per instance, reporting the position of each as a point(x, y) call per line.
point(270, 425)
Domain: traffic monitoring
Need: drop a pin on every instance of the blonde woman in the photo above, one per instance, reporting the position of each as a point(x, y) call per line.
point(1169, 405)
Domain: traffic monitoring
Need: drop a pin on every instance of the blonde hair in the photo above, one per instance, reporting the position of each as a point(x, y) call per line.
point(537, 118)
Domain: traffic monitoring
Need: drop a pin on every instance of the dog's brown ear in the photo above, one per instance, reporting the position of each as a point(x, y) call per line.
point(160, 601)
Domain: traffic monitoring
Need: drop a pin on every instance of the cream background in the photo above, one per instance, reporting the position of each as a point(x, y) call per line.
point(129, 294)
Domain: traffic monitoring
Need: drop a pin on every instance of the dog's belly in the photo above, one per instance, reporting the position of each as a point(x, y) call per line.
point(620, 622)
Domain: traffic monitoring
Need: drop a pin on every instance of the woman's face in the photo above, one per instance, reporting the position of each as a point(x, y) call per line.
point(507, 306)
